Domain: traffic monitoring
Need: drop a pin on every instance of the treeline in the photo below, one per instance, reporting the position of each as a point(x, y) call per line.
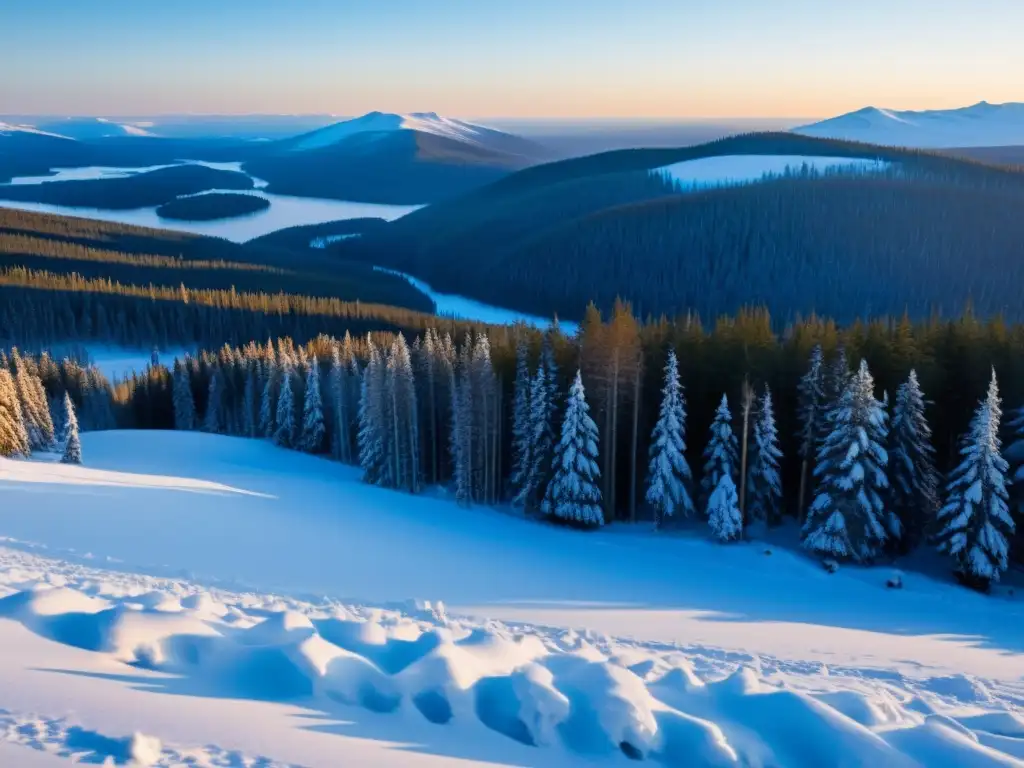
point(211, 206)
point(462, 418)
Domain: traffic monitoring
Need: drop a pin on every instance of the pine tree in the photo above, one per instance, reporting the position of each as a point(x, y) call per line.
point(811, 414)
point(846, 519)
point(765, 482)
point(314, 430)
point(212, 421)
point(573, 495)
point(723, 512)
point(522, 435)
point(372, 455)
point(270, 394)
point(250, 401)
point(459, 438)
point(722, 452)
point(541, 441)
point(669, 477)
point(34, 407)
point(403, 421)
point(184, 403)
point(13, 435)
point(72, 443)
point(341, 442)
point(975, 524)
point(286, 429)
point(914, 482)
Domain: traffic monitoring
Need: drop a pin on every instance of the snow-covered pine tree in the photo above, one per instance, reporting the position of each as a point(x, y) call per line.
point(314, 431)
point(847, 519)
point(723, 511)
point(721, 455)
point(34, 408)
point(764, 482)
point(669, 476)
point(250, 400)
point(403, 423)
point(13, 435)
point(975, 525)
point(341, 440)
point(522, 435)
point(286, 430)
point(573, 495)
point(811, 413)
point(913, 480)
point(372, 454)
point(485, 421)
point(270, 394)
point(212, 421)
point(184, 403)
point(72, 443)
point(542, 440)
point(462, 426)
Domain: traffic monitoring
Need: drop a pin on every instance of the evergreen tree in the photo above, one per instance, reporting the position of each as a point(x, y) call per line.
point(72, 443)
point(764, 482)
point(461, 428)
point(522, 434)
point(34, 407)
point(914, 482)
point(341, 442)
point(372, 454)
point(270, 394)
point(723, 512)
point(811, 414)
point(286, 429)
point(722, 453)
point(573, 495)
point(847, 519)
point(403, 432)
point(313, 429)
point(213, 420)
point(975, 524)
point(250, 401)
point(669, 477)
point(13, 435)
point(542, 438)
point(183, 402)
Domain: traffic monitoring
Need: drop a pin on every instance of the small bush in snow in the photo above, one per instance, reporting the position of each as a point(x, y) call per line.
point(830, 565)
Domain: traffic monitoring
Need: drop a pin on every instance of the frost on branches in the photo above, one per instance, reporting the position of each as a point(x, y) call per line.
point(975, 524)
point(846, 518)
point(764, 483)
point(914, 483)
point(669, 477)
point(721, 455)
point(314, 430)
point(72, 443)
point(573, 494)
point(522, 437)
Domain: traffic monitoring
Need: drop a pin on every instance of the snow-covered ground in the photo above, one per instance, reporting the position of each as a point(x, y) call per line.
point(229, 601)
point(120, 362)
point(725, 170)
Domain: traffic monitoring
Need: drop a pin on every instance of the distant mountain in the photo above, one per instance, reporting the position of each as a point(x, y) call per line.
point(28, 151)
point(392, 158)
point(88, 128)
point(980, 125)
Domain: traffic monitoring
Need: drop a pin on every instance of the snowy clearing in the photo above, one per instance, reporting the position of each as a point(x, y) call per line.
point(724, 170)
point(288, 607)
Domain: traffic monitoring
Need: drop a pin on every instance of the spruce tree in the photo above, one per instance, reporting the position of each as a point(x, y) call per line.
point(669, 477)
point(13, 435)
point(34, 407)
point(723, 511)
point(764, 482)
point(403, 421)
point(341, 441)
point(372, 455)
point(913, 480)
point(461, 427)
point(250, 401)
point(522, 434)
point(286, 430)
point(810, 413)
point(213, 420)
point(72, 443)
point(847, 518)
point(721, 454)
point(975, 524)
point(269, 397)
point(183, 402)
point(573, 495)
point(542, 438)
point(314, 430)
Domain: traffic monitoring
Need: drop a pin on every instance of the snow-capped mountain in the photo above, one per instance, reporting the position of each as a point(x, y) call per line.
point(96, 128)
point(8, 129)
point(980, 125)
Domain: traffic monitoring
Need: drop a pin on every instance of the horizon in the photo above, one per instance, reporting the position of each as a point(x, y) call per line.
point(574, 60)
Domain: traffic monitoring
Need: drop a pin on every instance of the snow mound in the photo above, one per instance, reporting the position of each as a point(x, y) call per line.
point(730, 170)
point(980, 125)
point(384, 122)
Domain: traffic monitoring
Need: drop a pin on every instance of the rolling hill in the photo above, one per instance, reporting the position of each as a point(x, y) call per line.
point(391, 158)
point(898, 230)
point(979, 125)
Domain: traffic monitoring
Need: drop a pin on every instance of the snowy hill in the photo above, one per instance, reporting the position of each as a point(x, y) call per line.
point(980, 125)
point(7, 129)
point(204, 590)
point(85, 128)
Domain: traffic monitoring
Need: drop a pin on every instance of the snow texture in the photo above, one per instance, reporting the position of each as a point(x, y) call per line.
point(384, 123)
point(980, 125)
point(222, 631)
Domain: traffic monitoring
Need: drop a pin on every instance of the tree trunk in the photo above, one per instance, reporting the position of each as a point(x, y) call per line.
point(803, 491)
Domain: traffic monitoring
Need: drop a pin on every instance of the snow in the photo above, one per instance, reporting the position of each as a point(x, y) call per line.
point(380, 122)
point(8, 128)
point(234, 604)
point(323, 242)
point(89, 173)
point(453, 305)
point(120, 362)
point(980, 125)
point(724, 170)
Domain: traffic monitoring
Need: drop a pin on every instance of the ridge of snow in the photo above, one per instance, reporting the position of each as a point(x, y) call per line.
point(384, 122)
point(8, 128)
point(978, 125)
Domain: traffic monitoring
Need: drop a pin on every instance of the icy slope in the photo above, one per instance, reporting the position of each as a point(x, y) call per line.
point(381, 122)
point(980, 125)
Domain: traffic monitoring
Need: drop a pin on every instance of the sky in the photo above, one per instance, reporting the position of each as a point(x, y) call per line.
point(507, 58)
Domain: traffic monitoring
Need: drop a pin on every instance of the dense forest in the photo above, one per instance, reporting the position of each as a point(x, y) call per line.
point(209, 207)
point(140, 190)
point(554, 237)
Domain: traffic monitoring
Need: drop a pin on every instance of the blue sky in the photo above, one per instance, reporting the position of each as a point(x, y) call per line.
point(513, 58)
